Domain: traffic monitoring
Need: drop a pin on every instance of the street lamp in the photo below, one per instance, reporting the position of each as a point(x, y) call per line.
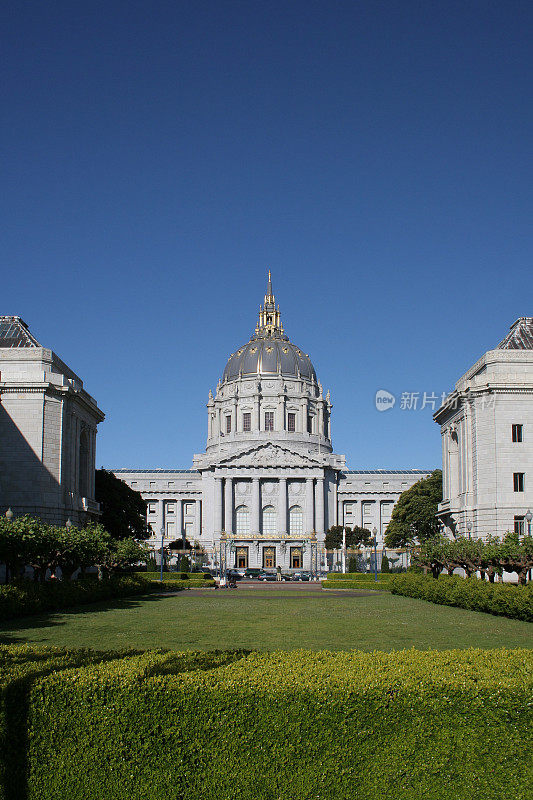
point(9, 514)
point(469, 529)
point(375, 532)
point(528, 518)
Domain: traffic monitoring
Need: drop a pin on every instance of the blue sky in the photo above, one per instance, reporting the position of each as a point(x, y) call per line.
point(158, 157)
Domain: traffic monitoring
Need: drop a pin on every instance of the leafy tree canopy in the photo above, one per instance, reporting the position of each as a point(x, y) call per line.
point(413, 517)
point(123, 509)
point(355, 537)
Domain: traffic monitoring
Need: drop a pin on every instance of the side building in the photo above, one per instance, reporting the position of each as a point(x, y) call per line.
point(268, 484)
point(48, 425)
point(487, 441)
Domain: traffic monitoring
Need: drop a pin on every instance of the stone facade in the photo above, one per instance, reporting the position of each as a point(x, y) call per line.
point(268, 482)
point(487, 440)
point(48, 425)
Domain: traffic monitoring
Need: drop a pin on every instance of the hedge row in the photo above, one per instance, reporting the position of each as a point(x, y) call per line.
point(515, 602)
point(379, 586)
point(359, 576)
point(174, 576)
point(407, 725)
point(23, 665)
point(27, 597)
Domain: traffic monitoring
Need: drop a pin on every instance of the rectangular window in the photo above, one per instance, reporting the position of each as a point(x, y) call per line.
point(228, 424)
point(518, 481)
point(171, 484)
point(152, 484)
point(519, 525)
point(247, 421)
point(517, 433)
point(170, 530)
point(189, 530)
point(189, 509)
point(133, 483)
point(291, 421)
point(152, 507)
point(171, 508)
point(309, 423)
point(269, 420)
point(348, 508)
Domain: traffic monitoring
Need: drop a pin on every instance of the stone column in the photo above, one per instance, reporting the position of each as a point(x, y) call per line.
point(256, 507)
point(217, 506)
point(180, 531)
point(198, 518)
point(309, 504)
point(256, 421)
point(282, 507)
point(340, 515)
point(228, 505)
point(161, 519)
point(319, 523)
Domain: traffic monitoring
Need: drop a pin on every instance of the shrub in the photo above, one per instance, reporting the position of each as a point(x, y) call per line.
point(366, 577)
point(501, 599)
point(27, 597)
point(448, 725)
point(385, 564)
point(380, 586)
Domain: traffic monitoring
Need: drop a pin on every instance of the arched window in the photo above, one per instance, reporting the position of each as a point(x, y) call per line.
point(242, 521)
point(83, 466)
point(296, 521)
point(269, 521)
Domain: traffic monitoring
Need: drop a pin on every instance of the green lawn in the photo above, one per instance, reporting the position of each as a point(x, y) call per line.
point(267, 621)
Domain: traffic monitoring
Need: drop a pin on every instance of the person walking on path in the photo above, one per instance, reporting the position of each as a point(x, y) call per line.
point(278, 573)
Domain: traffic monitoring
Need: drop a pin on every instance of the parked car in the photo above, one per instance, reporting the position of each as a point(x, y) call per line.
point(267, 575)
point(252, 572)
point(234, 575)
point(301, 576)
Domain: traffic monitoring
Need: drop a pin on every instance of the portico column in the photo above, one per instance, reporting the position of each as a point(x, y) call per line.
point(198, 518)
point(179, 519)
point(161, 518)
point(319, 522)
point(256, 507)
point(309, 505)
point(218, 506)
point(340, 516)
point(228, 505)
point(282, 508)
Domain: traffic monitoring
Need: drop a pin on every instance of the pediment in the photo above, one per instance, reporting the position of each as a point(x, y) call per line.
point(269, 455)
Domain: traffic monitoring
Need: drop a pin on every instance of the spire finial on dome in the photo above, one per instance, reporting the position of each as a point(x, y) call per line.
point(269, 317)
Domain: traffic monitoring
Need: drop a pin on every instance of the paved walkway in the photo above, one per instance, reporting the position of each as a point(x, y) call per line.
point(297, 590)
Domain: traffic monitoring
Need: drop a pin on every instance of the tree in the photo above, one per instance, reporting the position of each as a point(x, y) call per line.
point(123, 509)
point(385, 566)
point(184, 564)
point(355, 537)
point(414, 515)
point(352, 564)
point(123, 554)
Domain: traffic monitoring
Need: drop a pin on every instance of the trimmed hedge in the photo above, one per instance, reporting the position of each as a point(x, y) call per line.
point(515, 602)
point(23, 665)
point(407, 725)
point(171, 576)
point(358, 576)
point(380, 586)
point(26, 597)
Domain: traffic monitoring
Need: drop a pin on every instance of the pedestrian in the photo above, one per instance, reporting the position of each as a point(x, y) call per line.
point(278, 573)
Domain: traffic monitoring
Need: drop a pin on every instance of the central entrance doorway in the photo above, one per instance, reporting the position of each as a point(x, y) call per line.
point(296, 558)
point(269, 557)
point(241, 558)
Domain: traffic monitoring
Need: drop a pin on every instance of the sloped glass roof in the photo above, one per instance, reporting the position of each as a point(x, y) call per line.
point(14, 333)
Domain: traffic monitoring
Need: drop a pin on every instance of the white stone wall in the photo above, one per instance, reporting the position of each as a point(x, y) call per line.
point(43, 409)
point(479, 456)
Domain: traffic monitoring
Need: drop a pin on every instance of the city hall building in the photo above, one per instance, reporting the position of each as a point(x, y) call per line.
point(268, 485)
